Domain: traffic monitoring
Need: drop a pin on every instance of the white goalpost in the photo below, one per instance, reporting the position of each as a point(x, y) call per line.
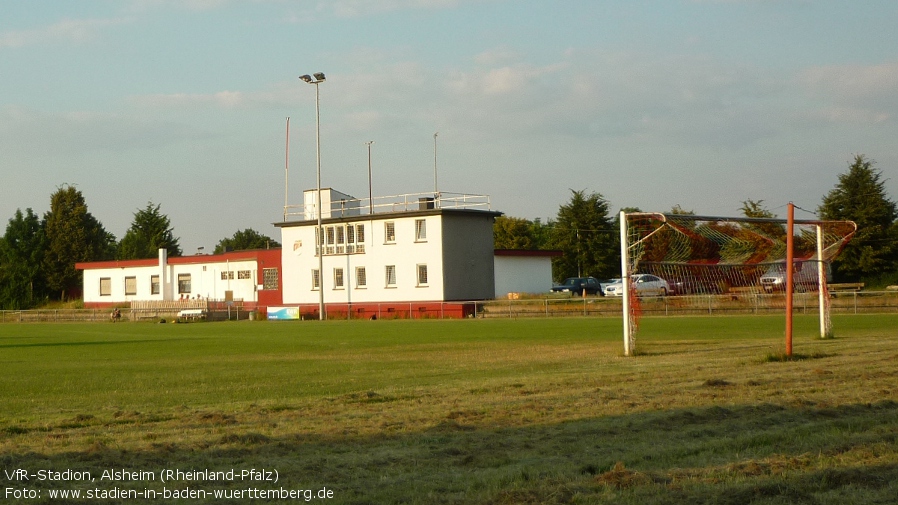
point(735, 259)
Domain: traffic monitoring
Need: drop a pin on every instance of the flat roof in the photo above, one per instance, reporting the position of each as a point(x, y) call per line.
point(527, 252)
point(249, 254)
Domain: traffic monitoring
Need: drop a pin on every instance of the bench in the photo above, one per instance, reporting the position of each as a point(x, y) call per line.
point(192, 314)
point(846, 286)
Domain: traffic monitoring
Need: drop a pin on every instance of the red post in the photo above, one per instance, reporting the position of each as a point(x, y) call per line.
point(790, 256)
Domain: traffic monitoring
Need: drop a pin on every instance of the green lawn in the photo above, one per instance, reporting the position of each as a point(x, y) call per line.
point(473, 411)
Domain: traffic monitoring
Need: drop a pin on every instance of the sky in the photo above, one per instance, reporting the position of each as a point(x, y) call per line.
point(183, 103)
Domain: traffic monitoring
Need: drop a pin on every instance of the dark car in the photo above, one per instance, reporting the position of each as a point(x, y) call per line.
point(576, 286)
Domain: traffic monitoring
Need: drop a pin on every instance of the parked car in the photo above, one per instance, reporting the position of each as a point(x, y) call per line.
point(608, 282)
point(576, 286)
point(804, 276)
point(646, 285)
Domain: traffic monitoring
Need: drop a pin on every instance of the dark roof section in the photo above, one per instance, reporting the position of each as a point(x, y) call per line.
point(525, 252)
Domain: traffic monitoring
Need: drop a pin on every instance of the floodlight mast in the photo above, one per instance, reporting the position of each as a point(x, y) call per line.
point(318, 79)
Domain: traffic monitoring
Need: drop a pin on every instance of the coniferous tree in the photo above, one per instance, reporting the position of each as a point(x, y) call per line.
point(73, 235)
point(244, 240)
point(860, 196)
point(585, 234)
point(21, 255)
point(150, 231)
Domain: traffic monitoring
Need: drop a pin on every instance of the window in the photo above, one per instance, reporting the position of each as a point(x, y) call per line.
point(338, 278)
point(316, 279)
point(350, 239)
point(227, 275)
point(341, 239)
point(420, 230)
point(183, 284)
point(130, 285)
point(422, 275)
point(329, 235)
point(269, 278)
point(391, 275)
point(390, 232)
point(244, 274)
point(361, 277)
point(105, 286)
point(154, 284)
point(360, 238)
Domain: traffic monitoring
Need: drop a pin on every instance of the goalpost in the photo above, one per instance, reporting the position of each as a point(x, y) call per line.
point(736, 258)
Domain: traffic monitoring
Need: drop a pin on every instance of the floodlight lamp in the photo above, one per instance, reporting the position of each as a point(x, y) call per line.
point(319, 76)
point(307, 78)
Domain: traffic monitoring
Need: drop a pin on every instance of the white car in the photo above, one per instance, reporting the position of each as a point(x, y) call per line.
point(646, 285)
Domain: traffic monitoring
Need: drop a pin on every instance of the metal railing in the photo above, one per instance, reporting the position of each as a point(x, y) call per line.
point(863, 302)
point(394, 203)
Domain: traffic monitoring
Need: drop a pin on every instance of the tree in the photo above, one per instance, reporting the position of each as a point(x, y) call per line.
point(21, 255)
point(586, 236)
point(756, 209)
point(244, 240)
point(150, 231)
point(513, 233)
point(860, 196)
point(73, 235)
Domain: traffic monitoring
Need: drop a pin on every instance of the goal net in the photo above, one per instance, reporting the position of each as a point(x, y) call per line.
point(728, 257)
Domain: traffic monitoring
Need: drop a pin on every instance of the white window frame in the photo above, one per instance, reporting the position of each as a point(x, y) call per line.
point(420, 230)
point(155, 286)
point(350, 239)
point(316, 279)
point(184, 281)
point(422, 279)
point(132, 290)
point(360, 238)
point(340, 231)
point(329, 234)
point(390, 232)
point(361, 278)
point(390, 275)
point(105, 286)
point(339, 278)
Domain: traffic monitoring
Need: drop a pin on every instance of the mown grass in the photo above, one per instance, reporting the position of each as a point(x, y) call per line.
point(483, 411)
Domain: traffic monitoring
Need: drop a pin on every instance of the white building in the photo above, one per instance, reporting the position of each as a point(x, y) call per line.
point(421, 255)
point(252, 277)
point(403, 250)
point(518, 271)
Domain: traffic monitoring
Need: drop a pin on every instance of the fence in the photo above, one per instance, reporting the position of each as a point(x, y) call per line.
point(54, 315)
point(863, 302)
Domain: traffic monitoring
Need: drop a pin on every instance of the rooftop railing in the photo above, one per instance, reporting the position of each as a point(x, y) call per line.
point(394, 203)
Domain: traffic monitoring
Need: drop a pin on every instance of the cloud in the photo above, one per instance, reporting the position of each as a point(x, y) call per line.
point(278, 95)
point(853, 81)
point(39, 133)
point(852, 93)
point(67, 30)
point(363, 8)
point(193, 5)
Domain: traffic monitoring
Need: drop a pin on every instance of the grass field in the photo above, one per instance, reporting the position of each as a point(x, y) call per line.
point(473, 411)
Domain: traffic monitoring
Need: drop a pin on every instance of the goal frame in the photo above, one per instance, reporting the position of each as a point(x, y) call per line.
point(627, 270)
